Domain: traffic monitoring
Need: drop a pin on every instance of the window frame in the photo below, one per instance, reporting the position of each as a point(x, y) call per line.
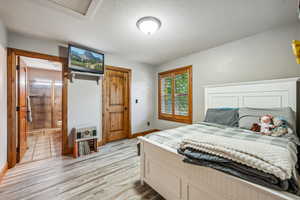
point(172, 117)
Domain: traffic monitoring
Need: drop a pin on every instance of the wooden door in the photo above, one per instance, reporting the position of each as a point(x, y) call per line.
point(57, 101)
point(22, 109)
point(116, 113)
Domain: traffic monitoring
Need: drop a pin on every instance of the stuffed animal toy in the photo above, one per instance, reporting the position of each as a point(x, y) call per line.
point(280, 128)
point(266, 124)
point(255, 127)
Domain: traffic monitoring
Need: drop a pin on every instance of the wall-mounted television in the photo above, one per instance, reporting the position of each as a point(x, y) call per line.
point(82, 59)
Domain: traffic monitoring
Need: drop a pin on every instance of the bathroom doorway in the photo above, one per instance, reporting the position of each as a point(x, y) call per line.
point(21, 67)
point(40, 109)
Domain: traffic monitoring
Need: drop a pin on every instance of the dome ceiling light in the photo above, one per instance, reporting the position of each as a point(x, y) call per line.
point(148, 25)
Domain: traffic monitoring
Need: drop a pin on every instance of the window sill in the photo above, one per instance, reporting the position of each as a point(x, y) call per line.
point(184, 121)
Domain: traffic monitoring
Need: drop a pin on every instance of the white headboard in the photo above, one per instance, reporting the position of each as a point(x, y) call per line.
point(258, 94)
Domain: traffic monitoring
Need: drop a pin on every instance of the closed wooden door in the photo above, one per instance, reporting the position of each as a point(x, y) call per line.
point(116, 113)
point(22, 109)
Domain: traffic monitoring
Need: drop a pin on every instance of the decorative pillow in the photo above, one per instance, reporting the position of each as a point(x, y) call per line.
point(223, 116)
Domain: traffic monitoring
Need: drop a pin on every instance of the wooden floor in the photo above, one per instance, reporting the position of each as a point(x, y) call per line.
point(112, 173)
point(43, 144)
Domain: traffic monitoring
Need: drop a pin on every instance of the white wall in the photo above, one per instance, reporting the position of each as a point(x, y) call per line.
point(84, 108)
point(3, 97)
point(19, 41)
point(142, 86)
point(263, 56)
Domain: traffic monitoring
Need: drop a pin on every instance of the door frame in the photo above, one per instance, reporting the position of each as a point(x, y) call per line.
point(11, 101)
point(119, 69)
point(22, 99)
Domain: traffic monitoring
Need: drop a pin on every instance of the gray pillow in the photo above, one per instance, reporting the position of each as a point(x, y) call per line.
point(223, 116)
point(248, 116)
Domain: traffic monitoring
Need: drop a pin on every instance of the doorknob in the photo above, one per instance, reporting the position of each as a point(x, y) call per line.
point(125, 108)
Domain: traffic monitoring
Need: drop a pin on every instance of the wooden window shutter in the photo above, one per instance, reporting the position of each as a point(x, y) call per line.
point(175, 95)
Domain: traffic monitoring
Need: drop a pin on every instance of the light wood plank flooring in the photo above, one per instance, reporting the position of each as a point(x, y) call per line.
point(111, 173)
point(43, 144)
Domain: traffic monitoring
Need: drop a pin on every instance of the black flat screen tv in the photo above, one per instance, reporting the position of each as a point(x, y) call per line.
point(82, 59)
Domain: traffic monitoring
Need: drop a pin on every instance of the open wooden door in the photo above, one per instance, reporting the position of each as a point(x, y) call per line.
point(116, 107)
point(13, 122)
point(22, 108)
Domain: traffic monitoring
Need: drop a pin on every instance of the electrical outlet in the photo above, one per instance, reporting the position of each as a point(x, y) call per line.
point(148, 123)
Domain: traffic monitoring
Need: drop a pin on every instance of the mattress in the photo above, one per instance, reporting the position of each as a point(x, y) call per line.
point(173, 137)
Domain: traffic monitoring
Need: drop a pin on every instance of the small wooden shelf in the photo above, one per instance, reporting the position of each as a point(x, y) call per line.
point(88, 139)
point(82, 137)
point(84, 76)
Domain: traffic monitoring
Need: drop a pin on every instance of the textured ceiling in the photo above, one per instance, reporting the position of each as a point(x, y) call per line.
point(188, 26)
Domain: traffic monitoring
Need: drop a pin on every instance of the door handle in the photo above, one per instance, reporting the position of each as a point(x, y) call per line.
point(125, 108)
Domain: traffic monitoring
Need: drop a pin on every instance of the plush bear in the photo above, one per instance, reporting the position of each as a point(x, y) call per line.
point(280, 128)
point(266, 124)
point(255, 127)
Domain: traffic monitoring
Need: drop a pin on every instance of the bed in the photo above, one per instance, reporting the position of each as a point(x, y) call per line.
point(162, 167)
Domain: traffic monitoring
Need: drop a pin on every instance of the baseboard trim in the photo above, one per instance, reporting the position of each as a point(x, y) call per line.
point(3, 171)
point(144, 133)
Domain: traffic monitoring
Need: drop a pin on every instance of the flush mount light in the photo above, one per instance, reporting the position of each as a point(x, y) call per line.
point(148, 25)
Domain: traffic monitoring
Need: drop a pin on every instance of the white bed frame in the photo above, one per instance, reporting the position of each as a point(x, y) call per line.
point(162, 167)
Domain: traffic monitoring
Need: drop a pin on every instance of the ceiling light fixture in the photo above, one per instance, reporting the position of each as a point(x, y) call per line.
point(148, 25)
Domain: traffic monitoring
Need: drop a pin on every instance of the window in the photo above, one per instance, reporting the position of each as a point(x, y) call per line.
point(175, 95)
